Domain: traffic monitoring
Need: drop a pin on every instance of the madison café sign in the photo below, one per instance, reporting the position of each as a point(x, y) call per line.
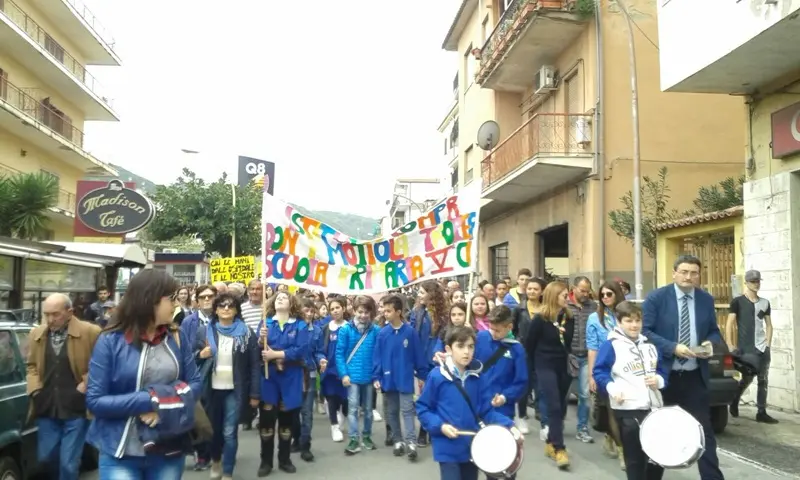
point(115, 209)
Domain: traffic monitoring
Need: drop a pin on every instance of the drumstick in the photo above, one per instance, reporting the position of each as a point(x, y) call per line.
point(465, 433)
point(264, 319)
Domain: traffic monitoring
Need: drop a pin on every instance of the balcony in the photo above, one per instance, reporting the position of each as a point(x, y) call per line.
point(28, 114)
point(547, 151)
point(530, 34)
point(34, 48)
point(65, 204)
point(747, 45)
point(83, 29)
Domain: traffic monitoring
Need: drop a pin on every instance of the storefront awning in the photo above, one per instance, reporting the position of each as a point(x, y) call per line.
point(46, 252)
point(124, 255)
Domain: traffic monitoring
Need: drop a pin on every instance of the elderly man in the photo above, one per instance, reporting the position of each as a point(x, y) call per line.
point(57, 367)
point(221, 287)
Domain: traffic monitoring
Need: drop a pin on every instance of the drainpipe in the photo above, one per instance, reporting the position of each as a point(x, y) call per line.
point(599, 158)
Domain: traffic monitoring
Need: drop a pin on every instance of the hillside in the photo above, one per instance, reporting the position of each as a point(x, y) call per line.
point(354, 225)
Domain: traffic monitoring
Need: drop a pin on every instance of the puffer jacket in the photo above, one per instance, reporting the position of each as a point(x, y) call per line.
point(359, 369)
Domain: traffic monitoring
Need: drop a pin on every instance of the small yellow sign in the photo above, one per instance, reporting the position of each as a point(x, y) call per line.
point(235, 269)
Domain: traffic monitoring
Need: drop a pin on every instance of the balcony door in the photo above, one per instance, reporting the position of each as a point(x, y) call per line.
point(3, 77)
point(55, 119)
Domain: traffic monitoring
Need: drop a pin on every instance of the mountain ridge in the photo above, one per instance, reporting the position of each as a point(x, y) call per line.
point(356, 226)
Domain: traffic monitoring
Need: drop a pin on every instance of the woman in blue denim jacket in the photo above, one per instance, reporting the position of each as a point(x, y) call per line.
point(598, 326)
point(139, 349)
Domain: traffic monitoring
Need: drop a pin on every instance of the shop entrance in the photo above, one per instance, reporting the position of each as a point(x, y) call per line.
point(554, 251)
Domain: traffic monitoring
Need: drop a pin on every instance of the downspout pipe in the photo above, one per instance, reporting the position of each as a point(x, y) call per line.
point(599, 158)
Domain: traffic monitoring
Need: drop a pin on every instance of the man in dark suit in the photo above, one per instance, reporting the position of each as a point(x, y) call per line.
point(677, 318)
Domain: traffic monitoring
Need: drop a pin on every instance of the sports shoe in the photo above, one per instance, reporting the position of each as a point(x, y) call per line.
point(549, 451)
point(583, 436)
point(544, 433)
point(322, 408)
point(399, 449)
point(522, 425)
point(411, 451)
point(353, 447)
point(562, 460)
point(609, 447)
point(367, 442)
point(341, 420)
point(376, 417)
point(336, 433)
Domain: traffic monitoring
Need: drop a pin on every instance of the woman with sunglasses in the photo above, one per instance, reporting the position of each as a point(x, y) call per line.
point(231, 379)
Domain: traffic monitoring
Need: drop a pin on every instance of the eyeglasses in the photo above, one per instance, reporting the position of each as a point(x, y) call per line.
point(687, 273)
point(225, 306)
point(207, 296)
point(607, 294)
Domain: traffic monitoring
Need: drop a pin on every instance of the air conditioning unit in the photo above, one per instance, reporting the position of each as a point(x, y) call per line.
point(545, 80)
point(170, 250)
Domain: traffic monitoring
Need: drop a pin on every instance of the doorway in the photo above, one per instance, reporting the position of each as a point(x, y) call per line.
point(554, 252)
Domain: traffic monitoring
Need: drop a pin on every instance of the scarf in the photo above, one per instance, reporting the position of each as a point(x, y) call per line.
point(481, 323)
point(238, 330)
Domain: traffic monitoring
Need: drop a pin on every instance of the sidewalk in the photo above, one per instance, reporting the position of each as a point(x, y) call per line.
point(773, 446)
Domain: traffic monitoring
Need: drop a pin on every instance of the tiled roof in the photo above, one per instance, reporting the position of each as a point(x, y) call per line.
point(736, 211)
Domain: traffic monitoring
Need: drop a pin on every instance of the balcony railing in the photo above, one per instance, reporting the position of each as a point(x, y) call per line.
point(40, 112)
point(511, 23)
point(93, 22)
point(66, 200)
point(53, 48)
point(552, 134)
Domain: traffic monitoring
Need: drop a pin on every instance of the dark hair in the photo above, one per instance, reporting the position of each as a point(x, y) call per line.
point(458, 335)
point(394, 301)
point(581, 278)
point(200, 289)
point(342, 302)
point(367, 303)
point(482, 283)
point(464, 308)
point(524, 271)
point(500, 282)
point(308, 302)
point(136, 310)
point(436, 306)
point(294, 306)
point(102, 288)
point(627, 309)
point(539, 281)
point(500, 314)
point(226, 297)
point(624, 284)
point(690, 259)
point(619, 297)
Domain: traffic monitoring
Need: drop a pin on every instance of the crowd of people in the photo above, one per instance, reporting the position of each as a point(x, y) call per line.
point(179, 370)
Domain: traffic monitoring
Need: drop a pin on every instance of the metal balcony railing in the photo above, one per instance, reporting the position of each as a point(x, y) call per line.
point(66, 200)
point(40, 112)
point(56, 52)
point(556, 134)
point(93, 22)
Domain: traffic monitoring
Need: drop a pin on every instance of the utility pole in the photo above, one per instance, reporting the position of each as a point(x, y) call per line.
point(637, 187)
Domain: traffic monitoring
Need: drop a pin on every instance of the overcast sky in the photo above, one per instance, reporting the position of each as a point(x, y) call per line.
point(343, 96)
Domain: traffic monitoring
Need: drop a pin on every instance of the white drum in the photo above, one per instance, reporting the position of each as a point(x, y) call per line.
point(496, 452)
point(672, 438)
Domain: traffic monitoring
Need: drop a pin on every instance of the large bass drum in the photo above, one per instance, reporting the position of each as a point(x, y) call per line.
point(672, 438)
point(496, 452)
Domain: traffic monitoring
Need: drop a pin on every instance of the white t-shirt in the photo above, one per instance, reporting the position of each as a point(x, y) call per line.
point(222, 377)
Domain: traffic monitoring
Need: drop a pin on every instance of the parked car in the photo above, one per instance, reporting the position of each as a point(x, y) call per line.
point(17, 435)
point(723, 388)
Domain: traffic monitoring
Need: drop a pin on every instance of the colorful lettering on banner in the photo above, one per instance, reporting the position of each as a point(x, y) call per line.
point(302, 251)
point(235, 269)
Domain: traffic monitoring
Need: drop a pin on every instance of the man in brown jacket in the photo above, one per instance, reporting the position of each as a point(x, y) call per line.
point(57, 369)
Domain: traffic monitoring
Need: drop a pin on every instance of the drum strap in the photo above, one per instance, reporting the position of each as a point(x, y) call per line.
point(501, 350)
point(460, 386)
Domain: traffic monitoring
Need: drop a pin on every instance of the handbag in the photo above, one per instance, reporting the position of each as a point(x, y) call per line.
point(202, 430)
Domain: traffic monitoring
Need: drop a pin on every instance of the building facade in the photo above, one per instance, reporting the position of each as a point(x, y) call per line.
point(555, 76)
point(46, 95)
point(411, 197)
point(750, 51)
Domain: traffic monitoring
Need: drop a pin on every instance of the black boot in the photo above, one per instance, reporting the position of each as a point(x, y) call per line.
point(305, 453)
point(388, 442)
point(422, 438)
point(763, 417)
point(284, 455)
point(267, 454)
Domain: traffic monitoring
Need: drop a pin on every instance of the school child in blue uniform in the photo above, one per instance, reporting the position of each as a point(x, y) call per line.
point(443, 411)
point(629, 368)
point(399, 357)
point(301, 433)
point(354, 356)
point(331, 383)
point(287, 347)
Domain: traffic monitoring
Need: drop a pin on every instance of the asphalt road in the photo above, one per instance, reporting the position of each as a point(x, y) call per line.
point(588, 461)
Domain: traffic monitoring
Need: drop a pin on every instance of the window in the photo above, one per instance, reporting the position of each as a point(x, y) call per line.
point(10, 363)
point(469, 67)
point(454, 178)
point(23, 337)
point(468, 176)
point(3, 78)
point(54, 277)
point(185, 274)
point(53, 48)
point(485, 30)
point(498, 255)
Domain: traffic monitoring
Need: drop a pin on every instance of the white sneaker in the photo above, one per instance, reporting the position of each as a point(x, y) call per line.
point(543, 433)
point(322, 408)
point(336, 433)
point(341, 420)
point(376, 417)
point(522, 425)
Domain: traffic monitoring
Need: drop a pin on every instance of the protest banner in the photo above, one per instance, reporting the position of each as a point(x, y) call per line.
point(301, 251)
point(234, 269)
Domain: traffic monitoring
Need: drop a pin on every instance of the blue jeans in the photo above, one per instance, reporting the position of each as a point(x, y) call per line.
point(60, 442)
point(458, 471)
point(584, 404)
point(395, 403)
point(224, 406)
point(359, 395)
point(307, 415)
point(149, 467)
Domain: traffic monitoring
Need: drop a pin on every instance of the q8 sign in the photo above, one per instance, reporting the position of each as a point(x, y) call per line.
point(250, 168)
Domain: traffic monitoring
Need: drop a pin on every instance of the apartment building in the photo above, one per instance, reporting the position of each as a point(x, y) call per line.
point(448, 129)
point(46, 95)
point(750, 51)
point(555, 76)
point(411, 197)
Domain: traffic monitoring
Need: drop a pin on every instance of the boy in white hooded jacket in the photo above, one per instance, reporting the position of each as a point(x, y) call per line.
point(630, 369)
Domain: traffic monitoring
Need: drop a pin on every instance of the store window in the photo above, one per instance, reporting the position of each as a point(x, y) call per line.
point(185, 274)
point(6, 280)
point(61, 277)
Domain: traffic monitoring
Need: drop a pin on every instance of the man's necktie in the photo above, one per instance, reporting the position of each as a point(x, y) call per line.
point(685, 327)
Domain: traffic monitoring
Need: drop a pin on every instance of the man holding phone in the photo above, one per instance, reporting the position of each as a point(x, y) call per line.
point(751, 315)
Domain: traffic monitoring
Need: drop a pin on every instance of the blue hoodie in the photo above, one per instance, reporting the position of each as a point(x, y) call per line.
point(286, 385)
point(442, 403)
point(359, 369)
point(398, 356)
point(420, 320)
point(509, 376)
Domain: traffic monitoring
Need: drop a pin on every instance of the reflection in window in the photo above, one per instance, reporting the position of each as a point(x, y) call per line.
point(48, 276)
point(6, 273)
point(10, 369)
point(22, 340)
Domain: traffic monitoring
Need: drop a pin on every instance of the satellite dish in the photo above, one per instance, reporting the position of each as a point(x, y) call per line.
point(489, 135)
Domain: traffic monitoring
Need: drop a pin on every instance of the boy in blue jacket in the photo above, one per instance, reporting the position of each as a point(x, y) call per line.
point(443, 411)
point(631, 370)
point(504, 365)
point(399, 357)
point(355, 349)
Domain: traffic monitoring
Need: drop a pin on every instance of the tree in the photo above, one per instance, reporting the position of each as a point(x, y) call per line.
point(192, 207)
point(25, 200)
point(721, 196)
point(654, 198)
